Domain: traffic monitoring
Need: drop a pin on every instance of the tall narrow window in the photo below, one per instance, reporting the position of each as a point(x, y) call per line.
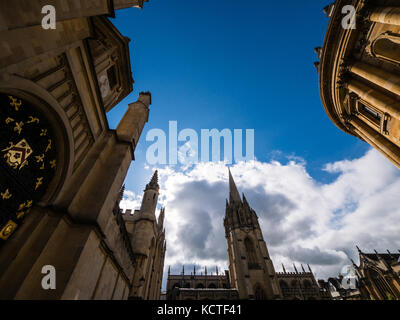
point(252, 260)
point(112, 77)
point(259, 293)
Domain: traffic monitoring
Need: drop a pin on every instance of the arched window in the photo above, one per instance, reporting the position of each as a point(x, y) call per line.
point(200, 286)
point(259, 293)
point(252, 260)
point(283, 284)
point(212, 286)
point(387, 48)
point(307, 284)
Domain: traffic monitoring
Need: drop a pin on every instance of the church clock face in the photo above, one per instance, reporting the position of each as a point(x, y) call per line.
point(27, 160)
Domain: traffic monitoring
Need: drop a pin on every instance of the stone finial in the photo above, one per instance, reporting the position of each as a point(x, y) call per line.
point(328, 10)
point(153, 184)
point(318, 51)
point(145, 98)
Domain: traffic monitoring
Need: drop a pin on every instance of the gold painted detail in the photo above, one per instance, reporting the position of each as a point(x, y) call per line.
point(32, 120)
point(6, 195)
point(14, 102)
point(18, 154)
point(9, 120)
point(18, 127)
point(53, 163)
point(43, 132)
point(39, 181)
point(48, 146)
point(40, 159)
point(8, 229)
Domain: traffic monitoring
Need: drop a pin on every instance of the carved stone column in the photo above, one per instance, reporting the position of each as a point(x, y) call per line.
point(378, 76)
point(388, 15)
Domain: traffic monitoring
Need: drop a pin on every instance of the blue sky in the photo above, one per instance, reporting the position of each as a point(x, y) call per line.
point(249, 65)
point(229, 64)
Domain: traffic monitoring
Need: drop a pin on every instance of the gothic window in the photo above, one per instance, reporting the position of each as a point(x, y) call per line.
point(28, 158)
point(212, 286)
point(259, 293)
point(112, 77)
point(252, 260)
point(200, 286)
point(283, 284)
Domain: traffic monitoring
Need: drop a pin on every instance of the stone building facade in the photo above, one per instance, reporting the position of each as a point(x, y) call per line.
point(203, 286)
point(251, 272)
point(359, 72)
point(301, 285)
point(378, 275)
point(61, 167)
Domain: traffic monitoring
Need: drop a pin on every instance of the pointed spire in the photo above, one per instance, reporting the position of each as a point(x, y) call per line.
point(309, 268)
point(234, 195)
point(161, 218)
point(205, 270)
point(169, 270)
point(358, 249)
point(216, 269)
point(183, 270)
point(295, 269)
point(153, 184)
point(284, 270)
point(194, 269)
point(302, 268)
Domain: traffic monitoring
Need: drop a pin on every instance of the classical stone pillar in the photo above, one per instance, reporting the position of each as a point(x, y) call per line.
point(376, 140)
point(388, 15)
point(378, 76)
point(375, 98)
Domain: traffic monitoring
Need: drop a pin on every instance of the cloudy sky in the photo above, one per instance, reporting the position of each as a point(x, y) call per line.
point(303, 221)
point(249, 65)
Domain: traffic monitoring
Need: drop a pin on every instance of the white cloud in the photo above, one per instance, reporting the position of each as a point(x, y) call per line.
point(303, 221)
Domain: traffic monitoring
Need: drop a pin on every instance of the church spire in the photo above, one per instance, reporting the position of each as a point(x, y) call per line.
point(153, 184)
point(234, 195)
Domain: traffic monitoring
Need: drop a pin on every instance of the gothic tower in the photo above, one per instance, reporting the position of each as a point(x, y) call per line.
point(251, 270)
point(148, 244)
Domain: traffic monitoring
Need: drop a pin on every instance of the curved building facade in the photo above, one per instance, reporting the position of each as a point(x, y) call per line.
point(359, 72)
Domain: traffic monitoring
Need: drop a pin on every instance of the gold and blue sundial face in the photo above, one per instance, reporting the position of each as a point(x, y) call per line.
point(27, 160)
